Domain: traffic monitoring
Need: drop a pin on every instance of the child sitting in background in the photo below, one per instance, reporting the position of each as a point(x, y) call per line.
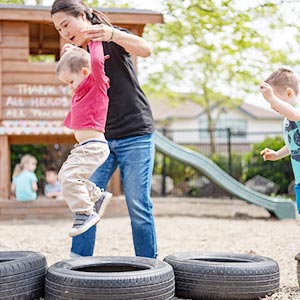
point(24, 181)
point(52, 187)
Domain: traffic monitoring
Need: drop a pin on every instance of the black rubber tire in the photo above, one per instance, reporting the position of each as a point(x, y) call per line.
point(22, 275)
point(297, 257)
point(110, 278)
point(204, 275)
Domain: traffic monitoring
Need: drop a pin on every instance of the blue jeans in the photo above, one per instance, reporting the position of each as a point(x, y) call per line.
point(297, 195)
point(135, 158)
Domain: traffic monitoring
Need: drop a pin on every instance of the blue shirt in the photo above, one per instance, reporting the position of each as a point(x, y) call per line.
point(291, 134)
point(50, 188)
point(23, 186)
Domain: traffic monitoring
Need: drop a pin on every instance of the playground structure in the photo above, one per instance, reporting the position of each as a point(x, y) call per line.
point(33, 101)
point(280, 207)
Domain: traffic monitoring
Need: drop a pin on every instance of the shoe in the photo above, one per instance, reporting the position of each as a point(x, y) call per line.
point(83, 222)
point(101, 204)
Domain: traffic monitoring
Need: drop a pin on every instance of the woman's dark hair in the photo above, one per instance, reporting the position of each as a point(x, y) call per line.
point(76, 7)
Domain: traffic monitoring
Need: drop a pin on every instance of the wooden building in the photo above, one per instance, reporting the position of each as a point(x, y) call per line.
point(33, 101)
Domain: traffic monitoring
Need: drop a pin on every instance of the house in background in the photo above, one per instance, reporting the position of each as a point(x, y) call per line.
point(186, 123)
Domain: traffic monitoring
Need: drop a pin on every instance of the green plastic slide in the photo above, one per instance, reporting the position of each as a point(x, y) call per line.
point(280, 207)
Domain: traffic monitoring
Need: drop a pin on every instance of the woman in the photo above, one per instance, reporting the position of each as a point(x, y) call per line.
point(129, 127)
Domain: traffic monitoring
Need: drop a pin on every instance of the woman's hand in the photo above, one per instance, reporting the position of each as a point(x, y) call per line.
point(67, 47)
point(99, 33)
point(133, 44)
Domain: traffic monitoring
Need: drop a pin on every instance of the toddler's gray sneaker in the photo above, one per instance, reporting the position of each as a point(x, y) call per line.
point(83, 222)
point(101, 204)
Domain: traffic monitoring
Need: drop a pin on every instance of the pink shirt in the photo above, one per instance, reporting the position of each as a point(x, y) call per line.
point(90, 101)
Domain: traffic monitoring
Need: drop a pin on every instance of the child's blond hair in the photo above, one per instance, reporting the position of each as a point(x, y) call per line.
point(74, 60)
point(24, 160)
point(282, 79)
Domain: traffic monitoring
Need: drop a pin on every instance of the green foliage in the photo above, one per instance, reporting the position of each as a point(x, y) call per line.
point(109, 3)
point(12, 2)
point(47, 58)
point(178, 171)
point(183, 174)
point(279, 171)
point(217, 52)
point(236, 164)
point(92, 3)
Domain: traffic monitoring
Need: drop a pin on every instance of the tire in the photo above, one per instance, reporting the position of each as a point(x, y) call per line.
point(22, 275)
point(204, 275)
point(298, 267)
point(110, 278)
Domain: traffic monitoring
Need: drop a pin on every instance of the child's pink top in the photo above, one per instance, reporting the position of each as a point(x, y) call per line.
point(90, 101)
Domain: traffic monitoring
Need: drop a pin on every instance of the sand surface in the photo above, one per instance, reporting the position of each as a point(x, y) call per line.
point(182, 225)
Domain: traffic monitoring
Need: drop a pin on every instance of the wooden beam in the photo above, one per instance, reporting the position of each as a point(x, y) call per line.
point(4, 167)
point(13, 28)
point(41, 139)
point(1, 93)
point(10, 66)
point(32, 78)
point(15, 54)
point(14, 42)
point(116, 16)
point(1, 31)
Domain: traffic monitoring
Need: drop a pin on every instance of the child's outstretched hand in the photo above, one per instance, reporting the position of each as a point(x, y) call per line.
point(266, 90)
point(269, 154)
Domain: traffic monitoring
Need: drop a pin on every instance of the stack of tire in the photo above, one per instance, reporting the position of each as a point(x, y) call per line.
point(22, 275)
point(297, 257)
point(223, 276)
point(110, 278)
point(190, 275)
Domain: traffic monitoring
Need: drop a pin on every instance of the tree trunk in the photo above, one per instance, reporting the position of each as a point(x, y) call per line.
point(211, 129)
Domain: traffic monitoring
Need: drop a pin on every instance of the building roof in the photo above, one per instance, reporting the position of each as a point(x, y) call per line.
point(42, 13)
point(164, 110)
point(256, 112)
point(103, 9)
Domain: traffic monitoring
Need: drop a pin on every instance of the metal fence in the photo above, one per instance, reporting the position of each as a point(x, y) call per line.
point(230, 149)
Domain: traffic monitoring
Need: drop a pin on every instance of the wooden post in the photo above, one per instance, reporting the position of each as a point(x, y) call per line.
point(4, 167)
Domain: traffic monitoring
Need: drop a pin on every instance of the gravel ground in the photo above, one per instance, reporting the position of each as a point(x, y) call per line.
point(182, 225)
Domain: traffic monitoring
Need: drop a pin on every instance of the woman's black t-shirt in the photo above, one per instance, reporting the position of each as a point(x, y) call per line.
point(129, 111)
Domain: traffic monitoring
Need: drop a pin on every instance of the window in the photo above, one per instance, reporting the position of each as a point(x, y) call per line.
point(238, 128)
point(44, 43)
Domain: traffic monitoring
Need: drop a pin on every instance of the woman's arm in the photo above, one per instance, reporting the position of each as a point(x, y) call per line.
point(133, 44)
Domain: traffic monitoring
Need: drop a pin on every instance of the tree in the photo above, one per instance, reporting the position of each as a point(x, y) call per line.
point(215, 52)
point(12, 2)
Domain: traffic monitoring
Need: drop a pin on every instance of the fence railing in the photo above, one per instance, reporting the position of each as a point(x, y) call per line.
point(227, 144)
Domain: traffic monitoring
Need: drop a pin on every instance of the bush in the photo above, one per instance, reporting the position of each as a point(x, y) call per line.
point(279, 171)
point(236, 164)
